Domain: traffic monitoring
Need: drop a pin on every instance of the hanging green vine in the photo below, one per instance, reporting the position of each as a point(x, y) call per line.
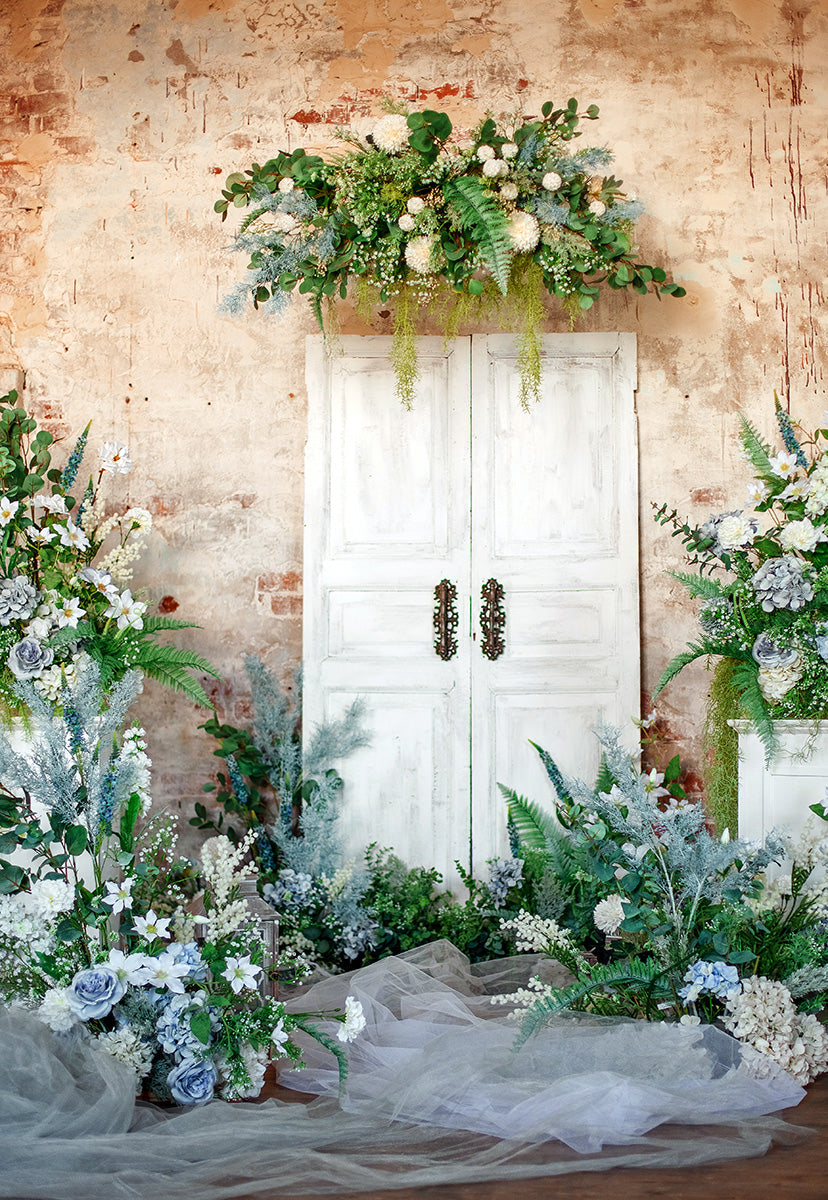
point(720, 747)
point(516, 211)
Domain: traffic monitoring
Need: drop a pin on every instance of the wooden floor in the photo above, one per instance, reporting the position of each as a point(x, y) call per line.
point(798, 1172)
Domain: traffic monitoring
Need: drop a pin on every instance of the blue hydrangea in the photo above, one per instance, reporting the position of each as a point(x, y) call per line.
point(292, 890)
point(505, 873)
point(356, 939)
point(173, 1028)
point(712, 979)
point(189, 953)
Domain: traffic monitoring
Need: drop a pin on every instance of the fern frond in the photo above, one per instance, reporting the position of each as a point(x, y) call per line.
point(694, 650)
point(746, 682)
point(757, 450)
point(534, 826)
point(699, 585)
point(480, 215)
point(172, 666)
point(603, 989)
point(155, 624)
point(554, 774)
point(606, 781)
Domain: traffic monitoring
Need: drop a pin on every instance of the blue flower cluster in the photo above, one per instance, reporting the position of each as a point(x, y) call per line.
point(505, 873)
point(292, 890)
point(713, 979)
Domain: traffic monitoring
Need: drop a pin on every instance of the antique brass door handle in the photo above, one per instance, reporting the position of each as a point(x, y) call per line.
point(445, 619)
point(492, 619)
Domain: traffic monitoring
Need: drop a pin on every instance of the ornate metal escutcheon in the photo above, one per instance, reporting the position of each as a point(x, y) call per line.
point(492, 618)
point(445, 619)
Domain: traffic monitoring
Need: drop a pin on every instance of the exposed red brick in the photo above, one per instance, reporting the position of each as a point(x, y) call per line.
point(692, 783)
point(712, 496)
point(164, 506)
point(273, 582)
point(135, 56)
point(286, 606)
point(42, 103)
point(78, 147)
point(167, 604)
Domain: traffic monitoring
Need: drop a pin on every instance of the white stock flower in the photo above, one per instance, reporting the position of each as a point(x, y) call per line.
point(418, 255)
point(241, 973)
point(391, 133)
point(114, 457)
point(551, 181)
point(801, 535)
point(609, 913)
point(354, 1022)
point(523, 231)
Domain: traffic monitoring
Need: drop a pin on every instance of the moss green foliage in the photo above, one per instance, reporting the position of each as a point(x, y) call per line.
point(520, 212)
point(404, 347)
point(720, 746)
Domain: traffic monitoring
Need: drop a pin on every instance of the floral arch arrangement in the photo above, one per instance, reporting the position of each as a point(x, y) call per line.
point(411, 219)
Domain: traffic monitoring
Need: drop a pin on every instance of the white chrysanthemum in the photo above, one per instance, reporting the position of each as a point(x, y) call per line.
point(524, 231)
point(551, 181)
point(736, 531)
point(597, 208)
point(509, 150)
point(55, 1012)
point(286, 185)
point(415, 205)
point(49, 896)
point(509, 191)
point(801, 535)
point(775, 682)
point(406, 222)
point(391, 133)
point(418, 255)
point(486, 153)
point(492, 167)
point(609, 913)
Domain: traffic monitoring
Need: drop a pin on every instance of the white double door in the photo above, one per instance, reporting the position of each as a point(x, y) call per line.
point(469, 488)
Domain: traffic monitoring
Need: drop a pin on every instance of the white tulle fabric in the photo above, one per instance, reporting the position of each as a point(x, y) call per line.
point(436, 1093)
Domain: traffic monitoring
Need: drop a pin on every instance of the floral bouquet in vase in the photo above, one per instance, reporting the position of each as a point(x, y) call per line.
point(65, 572)
point(121, 958)
point(762, 579)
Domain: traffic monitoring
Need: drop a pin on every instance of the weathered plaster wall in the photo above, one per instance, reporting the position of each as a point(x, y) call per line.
point(119, 122)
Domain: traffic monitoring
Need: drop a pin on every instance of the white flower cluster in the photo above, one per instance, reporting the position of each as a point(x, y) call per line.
point(776, 682)
point(129, 1048)
point(391, 133)
point(221, 863)
point(255, 1064)
point(418, 255)
point(536, 933)
point(30, 916)
point(817, 501)
point(764, 1015)
point(524, 998)
point(800, 535)
point(55, 1012)
point(134, 750)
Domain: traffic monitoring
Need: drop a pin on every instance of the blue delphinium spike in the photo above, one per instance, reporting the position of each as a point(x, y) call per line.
point(86, 500)
point(514, 840)
point(70, 471)
point(239, 786)
point(788, 435)
point(264, 848)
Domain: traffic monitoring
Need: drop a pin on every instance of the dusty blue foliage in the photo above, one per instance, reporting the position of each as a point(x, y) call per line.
point(73, 767)
point(547, 212)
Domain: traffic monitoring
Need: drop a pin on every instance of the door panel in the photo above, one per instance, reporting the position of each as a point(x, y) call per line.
point(469, 487)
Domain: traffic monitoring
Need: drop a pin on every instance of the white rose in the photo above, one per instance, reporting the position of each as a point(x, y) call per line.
point(801, 535)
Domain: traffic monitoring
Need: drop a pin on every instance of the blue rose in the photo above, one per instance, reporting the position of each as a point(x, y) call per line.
point(94, 991)
point(192, 1081)
point(29, 659)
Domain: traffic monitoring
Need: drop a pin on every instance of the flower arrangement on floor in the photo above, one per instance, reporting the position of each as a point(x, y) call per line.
point(408, 215)
point(175, 997)
point(692, 929)
point(337, 912)
point(65, 571)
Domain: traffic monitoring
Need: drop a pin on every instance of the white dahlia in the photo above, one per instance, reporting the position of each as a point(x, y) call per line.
point(415, 205)
point(608, 914)
point(524, 232)
point(391, 133)
point(509, 191)
point(418, 255)
point(406, 222)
